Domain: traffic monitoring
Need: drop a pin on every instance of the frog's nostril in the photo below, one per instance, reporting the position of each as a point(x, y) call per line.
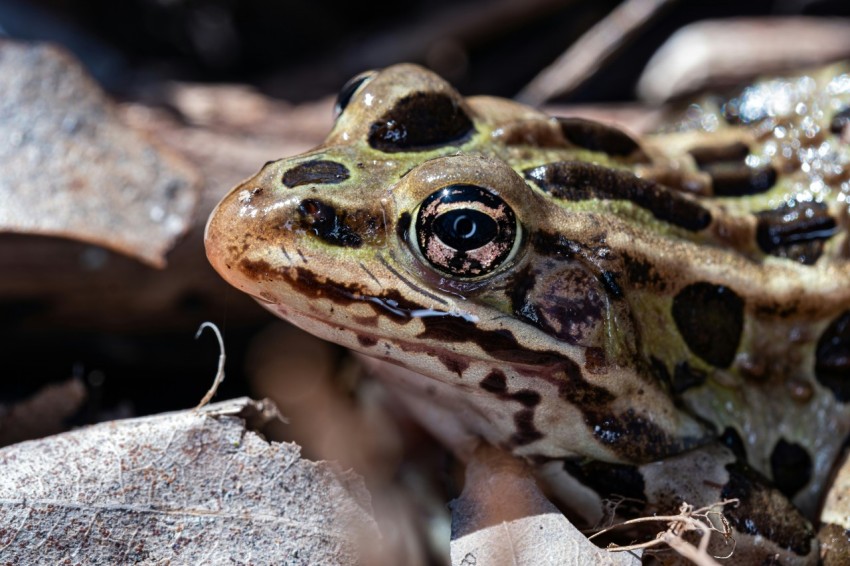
point(323, 220)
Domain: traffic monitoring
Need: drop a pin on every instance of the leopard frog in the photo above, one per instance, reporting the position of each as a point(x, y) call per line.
point(653, 317)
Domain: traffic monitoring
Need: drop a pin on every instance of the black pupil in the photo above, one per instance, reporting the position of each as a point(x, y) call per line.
point(465, 229)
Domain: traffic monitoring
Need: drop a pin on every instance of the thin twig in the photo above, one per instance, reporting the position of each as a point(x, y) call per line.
point(688, 519)
point(219, 376)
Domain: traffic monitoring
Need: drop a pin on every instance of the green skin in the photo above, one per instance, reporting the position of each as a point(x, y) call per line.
point(623, 312)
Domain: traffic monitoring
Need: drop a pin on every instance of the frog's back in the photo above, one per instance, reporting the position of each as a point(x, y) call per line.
point(727, 239)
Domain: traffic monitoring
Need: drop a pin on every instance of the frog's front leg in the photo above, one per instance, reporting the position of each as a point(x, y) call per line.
point(766, 528)
point(834, 532)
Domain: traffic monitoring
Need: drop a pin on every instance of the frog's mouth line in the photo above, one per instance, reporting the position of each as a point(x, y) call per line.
point(363, 334)
point(439, 325)
point(382, 306)
point(306, 284)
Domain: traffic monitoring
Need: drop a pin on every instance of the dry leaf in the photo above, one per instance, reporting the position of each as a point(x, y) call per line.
point(731, 51)
point(541, 540)
point(502, 517)
point(72, 168)
point(193, 487)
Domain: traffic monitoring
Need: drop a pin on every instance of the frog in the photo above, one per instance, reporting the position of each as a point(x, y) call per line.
point(664, 318)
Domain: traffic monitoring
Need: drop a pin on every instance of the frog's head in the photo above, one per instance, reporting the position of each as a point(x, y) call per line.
point(404, 221)
point(421, 232)
point(414, 226)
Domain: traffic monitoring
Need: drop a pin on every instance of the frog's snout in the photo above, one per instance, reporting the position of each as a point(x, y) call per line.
point(245, 229)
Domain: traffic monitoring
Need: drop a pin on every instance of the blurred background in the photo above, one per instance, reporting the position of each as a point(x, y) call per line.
point(299, 50)
point(96, 324)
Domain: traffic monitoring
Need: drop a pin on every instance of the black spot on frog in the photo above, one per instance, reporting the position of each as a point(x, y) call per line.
point(710, 319)
point(318, 172)
point(420, 121)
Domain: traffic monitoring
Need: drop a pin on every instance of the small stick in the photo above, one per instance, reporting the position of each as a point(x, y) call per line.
point(219, 376)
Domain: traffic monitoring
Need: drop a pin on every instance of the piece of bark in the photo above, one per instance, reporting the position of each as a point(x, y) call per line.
point(185, 488)
point(71, 168)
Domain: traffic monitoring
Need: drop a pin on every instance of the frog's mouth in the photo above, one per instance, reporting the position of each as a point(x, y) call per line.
point(297, 291)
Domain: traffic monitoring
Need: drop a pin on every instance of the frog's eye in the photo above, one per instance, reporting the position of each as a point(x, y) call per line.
point(465, 231)
point(348, 89)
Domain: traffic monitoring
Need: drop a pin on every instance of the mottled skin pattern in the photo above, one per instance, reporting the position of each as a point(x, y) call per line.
point(576, 296)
